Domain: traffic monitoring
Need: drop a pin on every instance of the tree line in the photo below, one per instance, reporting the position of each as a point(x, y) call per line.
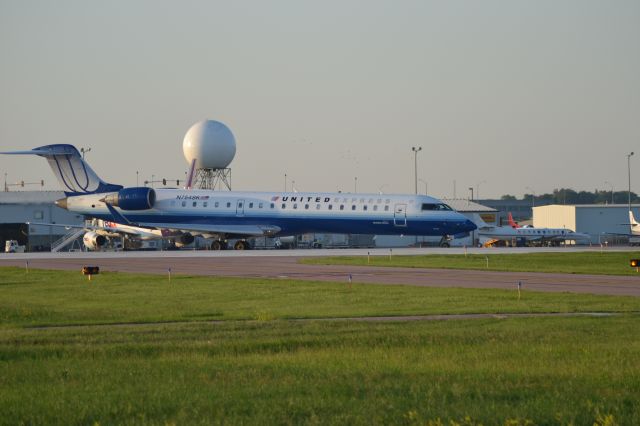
point(569, 196)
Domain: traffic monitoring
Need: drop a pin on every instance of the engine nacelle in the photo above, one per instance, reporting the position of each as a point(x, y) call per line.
point(141, 198)
point(93, 241)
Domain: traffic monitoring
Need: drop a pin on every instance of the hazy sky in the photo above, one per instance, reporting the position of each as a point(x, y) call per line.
point(510, 94)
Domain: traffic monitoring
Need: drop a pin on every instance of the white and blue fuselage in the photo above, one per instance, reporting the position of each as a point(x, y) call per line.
point(282, 213)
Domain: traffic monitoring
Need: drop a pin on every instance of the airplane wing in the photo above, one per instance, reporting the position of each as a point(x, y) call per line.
point(112, 231)
point(246, 230)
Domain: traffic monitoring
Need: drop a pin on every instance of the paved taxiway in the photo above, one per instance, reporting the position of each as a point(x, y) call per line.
point(284, 264)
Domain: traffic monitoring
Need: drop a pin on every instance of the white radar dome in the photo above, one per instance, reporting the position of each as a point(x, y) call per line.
point(211, 143)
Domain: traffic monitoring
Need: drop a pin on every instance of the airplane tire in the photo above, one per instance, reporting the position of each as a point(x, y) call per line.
point(444, 245)
point(218, 245)
point(241, 245)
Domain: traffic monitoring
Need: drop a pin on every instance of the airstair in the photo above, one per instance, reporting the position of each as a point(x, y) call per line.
point(67, 239)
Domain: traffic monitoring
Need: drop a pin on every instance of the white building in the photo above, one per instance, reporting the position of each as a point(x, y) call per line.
point(598, 220)
point(19, 207)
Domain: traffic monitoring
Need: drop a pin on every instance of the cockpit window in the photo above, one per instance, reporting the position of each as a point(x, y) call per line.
point(433, 206)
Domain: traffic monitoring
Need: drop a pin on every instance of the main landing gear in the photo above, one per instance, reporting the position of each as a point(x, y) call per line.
point(223, 245)
point(241, 245)
point(219, 245)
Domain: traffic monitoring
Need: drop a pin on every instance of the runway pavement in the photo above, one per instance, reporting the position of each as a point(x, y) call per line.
point(279, 264)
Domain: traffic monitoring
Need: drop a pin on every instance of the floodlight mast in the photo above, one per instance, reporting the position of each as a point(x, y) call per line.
point(629, 174)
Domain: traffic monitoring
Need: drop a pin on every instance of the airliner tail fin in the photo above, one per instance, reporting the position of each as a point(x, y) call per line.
point(73, 173)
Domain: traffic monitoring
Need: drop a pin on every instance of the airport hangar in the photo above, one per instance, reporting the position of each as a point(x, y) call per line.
point(601, 221)
point(19, 207)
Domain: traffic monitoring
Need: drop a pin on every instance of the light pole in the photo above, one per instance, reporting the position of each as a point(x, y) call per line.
point(533, 195)
point(426, 186)
point(471, 189)
point(137, 173)
point(84, 151)
point(629, 173)
point(285, 182)
point(416, 150)
point(611, 185)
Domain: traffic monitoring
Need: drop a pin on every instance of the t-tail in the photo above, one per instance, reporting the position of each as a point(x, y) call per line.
point(512, 222)
point(635, 226)
point(75, 176)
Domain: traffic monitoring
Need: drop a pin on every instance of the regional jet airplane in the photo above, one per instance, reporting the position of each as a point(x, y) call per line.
point(242, 215)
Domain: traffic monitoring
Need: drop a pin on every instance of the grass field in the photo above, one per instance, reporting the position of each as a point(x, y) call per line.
point(256, 367)
point(605, 263)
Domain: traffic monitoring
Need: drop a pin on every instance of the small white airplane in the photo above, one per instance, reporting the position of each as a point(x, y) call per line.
point(551, 236)
point(242, 215)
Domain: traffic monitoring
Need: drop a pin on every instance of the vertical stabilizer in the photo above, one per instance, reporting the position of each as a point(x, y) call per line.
point(635, 226)
point(75, 176)
point(512, 222)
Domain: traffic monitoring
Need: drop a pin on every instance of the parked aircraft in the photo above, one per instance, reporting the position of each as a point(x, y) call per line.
point(100, 231)
point(530, 234)
point(233, 214)
point(512, 223)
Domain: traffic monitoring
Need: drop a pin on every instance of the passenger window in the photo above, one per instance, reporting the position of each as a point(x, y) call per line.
point(364, 207)
point(330, 206)
point(216, 205)
point(317, 206)
point(205, 204)
point(353, 207)
point(195, 203)
point(260, 205)
point(306, 206)
point(250, 205)
point(386, 208)
point(341, 206)
point(273, 205)
point(228, 205)
point(295, 205)
point(284, 206)
point(375, 208)
point(184, 204)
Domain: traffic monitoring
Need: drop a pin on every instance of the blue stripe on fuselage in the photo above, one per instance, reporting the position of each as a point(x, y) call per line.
point(292, 225)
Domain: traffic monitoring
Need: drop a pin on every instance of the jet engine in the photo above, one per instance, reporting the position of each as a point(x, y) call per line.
point(93, 241)
point(132, 198)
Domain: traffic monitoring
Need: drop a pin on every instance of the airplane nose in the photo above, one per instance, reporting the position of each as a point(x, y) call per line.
point(470, 226)
point(62, 203)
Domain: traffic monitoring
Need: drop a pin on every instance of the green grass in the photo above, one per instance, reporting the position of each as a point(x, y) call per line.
point(605, 263)
point(64, 297)
point(255, 367)
point(545, 370)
